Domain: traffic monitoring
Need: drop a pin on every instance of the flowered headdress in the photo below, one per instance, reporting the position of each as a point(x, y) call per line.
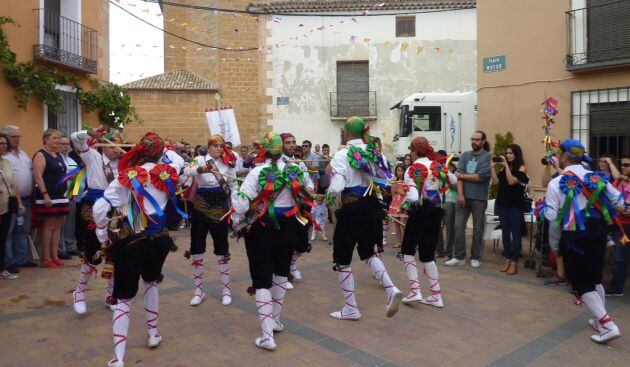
point(149, 149)
point(271, 143)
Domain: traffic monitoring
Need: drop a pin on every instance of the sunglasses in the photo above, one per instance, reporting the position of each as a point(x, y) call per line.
point(306, 146)
point(625, 165)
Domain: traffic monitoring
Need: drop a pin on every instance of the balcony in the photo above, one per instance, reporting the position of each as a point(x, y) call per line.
point(598, 36)
point(353, 103)
point(64, 42)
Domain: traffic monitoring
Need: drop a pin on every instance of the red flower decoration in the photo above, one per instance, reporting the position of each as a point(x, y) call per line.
point(162, 173)
point(137, 172)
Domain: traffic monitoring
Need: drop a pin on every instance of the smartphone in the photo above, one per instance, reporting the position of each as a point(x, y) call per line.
point(497, 159)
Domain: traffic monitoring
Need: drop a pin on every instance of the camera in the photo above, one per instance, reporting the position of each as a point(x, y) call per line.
point(544, 161)
point(497, 159)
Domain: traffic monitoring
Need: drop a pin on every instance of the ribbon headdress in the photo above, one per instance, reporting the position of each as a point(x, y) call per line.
point(227, 155)
point(360, 159)
point(149, 149)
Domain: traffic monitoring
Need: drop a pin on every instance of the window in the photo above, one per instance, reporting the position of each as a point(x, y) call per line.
point(68, 121)
point(601, 120)
point(423, 118)
point(406, 26)
point(353, 96)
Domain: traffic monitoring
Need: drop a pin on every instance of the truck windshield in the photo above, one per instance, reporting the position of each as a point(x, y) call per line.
point(421, 118)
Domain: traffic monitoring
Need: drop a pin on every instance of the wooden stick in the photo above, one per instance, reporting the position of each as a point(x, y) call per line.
point(226, 214)
point(228, 176)
point(112, 144)
point(396, 220)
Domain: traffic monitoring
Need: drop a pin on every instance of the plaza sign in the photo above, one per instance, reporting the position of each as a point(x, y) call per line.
point(494, 63)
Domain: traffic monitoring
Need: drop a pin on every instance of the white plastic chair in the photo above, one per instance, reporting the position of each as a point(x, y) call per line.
point(490, 231)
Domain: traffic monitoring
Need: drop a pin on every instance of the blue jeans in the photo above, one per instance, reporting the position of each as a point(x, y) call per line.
point(620, 260)
point(511, 219)
point(17, 240)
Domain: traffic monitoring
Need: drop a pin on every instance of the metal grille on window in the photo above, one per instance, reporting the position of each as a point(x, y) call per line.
point(601, 120)
point(353, 96)
point(67, 121)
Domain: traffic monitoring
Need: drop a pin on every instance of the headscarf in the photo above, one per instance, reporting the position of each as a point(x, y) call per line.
point(271, 143)
point(421, 145)
point(227, 156)
point(149, 149)
point(575, 149)
point(285, 136)
point(356, 126)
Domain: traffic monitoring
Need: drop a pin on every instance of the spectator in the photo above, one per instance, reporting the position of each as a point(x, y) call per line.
point(8, 188)
point(320, 214)
point(621, 251)
point(17, 239)
point(200, 150)
point(512, 180)
point(67, 239)
point(313, 165)
point(396, 209)
point(317, 150)
point(607, 166)
point(51, 204)
point(473, 174)
point(407, 161)
point(445, 248)
point(180, 149)
point(324, 178)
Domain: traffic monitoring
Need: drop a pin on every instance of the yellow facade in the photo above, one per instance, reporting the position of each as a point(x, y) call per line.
point(22, 38)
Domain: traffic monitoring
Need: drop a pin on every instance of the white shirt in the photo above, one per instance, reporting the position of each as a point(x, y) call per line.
point(431, 183)
point(209, 179)
point(95, 163)
point(119, 196)
point(555, 197)
point(22, 171)
point(69, 162)
point(173, 159)
point(308, 183)
point(344, 175)
point(251, 188)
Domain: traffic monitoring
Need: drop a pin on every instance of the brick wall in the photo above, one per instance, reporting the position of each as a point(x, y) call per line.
point(174, 114)
point(237, 74)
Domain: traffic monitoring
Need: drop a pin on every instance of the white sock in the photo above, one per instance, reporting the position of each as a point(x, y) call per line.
point(84, 278)
point(292, 267)
point(151, 303)
point(412, 274)
point(224, 274)
point(594, 304)
point(385, 227)
point(265, 313)
point(430, 269)
point(378, 269)
point(278, 291)
point(110, 287)
point(120, 328)
point(346, 283)
point(197, 264)
point(599, 288)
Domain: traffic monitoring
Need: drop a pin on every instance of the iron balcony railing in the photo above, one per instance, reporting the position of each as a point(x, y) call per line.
point(598, 35)
point(65, 42)
point(353, 103)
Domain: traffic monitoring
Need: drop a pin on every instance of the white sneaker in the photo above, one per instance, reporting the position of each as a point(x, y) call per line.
point(267, 344)
point(115, 363)
point(312, 238)
point(608, 332)
point(154, 341)
point(197, 299)
point(296, 275)
point(413, 297)
point(9, 276)
point(341, 315)
point(475, 263)
point(226, 300)
point(278, 327)
point(289, 285)
point(594, 324)
point(434, 300)
point(455, 262)
point(79, 302)
point(394, 302)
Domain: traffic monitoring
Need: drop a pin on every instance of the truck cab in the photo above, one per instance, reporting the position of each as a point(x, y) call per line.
point(447, 120)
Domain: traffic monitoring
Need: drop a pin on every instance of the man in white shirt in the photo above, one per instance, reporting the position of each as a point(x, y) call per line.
point(359, 221)
point(17, 238)
point(583, 240)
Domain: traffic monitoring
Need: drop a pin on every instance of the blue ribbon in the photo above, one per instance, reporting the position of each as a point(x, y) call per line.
point(69, 175)
point(171, 189)
point(140, 189)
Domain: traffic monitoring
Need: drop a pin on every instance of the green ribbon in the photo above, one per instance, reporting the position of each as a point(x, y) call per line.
point(565, 207)
point(601, 185)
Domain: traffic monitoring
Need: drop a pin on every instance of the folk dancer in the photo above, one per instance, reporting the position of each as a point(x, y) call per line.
point(427, 180)
point(579, 204)
point(211, 201)
point(355, 169)
point(88, 185)
point(270, 211)
point(141, 191)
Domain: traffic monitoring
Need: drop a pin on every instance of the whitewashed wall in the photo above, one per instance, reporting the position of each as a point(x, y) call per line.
point(304, 69)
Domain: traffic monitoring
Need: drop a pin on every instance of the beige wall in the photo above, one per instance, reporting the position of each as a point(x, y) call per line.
point(533, 36)
point(95, 14)
point(181, 118)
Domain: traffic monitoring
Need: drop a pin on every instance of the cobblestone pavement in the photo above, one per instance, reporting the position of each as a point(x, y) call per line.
point(489, 319)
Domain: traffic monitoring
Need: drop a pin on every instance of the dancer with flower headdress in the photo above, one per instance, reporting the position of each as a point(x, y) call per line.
point(270, 211)
point(86, 185)
point(427, 179)
point(580, 204)
point(211, 201)
point(140, 192)
point(357, 170)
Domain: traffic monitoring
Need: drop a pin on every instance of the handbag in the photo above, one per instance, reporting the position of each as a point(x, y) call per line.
point(13, 202)
point(527, 201)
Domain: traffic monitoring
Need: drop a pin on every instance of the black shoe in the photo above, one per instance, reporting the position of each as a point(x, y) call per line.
point(609, 292)
point(64, 256)
point(13, 269)
point(29, 264)
point(73, 253)
point(173, 247)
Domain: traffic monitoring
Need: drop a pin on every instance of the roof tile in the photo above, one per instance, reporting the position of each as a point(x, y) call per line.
point(183, 79)
point(323, 6)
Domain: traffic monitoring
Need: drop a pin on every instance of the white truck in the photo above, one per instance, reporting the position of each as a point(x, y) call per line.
point(447, 120)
